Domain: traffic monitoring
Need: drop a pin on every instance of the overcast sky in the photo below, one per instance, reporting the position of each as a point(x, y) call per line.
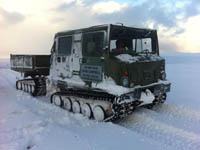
point(28, 26)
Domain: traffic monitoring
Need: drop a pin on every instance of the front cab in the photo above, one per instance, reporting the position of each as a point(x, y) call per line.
point(133, 62)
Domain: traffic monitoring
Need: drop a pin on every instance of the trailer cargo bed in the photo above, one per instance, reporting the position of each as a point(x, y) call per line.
point(30, 65)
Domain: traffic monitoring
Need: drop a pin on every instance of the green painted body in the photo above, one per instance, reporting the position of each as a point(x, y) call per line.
point(139, 73)
point(143, 72)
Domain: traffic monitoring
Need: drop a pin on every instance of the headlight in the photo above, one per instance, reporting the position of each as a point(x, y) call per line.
point(125, 81)
point(163, 75)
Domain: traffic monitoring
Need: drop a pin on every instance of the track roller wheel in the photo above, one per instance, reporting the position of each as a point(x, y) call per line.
point(67, 104)
point(29, 88)
point(57, 100)
point(99, 113)
point(76, 107)
point(32, 89)
point(23, 87)
point(86, 110)
point(18, 85)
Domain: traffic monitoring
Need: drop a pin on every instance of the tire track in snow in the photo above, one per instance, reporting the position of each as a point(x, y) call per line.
point(180, 112)
point(184, 123)
point(148, 126)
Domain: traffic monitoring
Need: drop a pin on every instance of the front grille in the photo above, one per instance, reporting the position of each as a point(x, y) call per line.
point(147, 75)
point(144, 73)
point(157, 74)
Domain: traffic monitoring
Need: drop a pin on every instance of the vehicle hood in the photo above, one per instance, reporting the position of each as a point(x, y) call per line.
point(127, 58)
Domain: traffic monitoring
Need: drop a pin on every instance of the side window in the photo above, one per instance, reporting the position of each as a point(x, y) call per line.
point(134, 44)
point(143, 44)
point(139, 45)
point(93, 44)
point(64, 45)
point(147, 44)
point(113, 44)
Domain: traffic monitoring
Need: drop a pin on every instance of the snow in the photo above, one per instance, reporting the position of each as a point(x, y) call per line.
point(110, 86)
point(147, 97)
point(34, 123)
point(4, 63)
point(127, 58)
point(142, 57)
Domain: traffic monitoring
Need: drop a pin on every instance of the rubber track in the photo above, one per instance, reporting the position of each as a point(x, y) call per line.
point(40, 86)
point(119, 110)
point(87, 95)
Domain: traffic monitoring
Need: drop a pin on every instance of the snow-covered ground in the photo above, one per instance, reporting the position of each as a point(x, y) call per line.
point(34, 123)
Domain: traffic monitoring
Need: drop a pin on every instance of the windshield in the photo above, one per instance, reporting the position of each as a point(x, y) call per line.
point(131, 40)
point(131, 45)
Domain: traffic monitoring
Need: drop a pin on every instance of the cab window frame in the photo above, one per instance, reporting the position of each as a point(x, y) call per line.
point(103, 43)
point(68, 53)
point(142, 40)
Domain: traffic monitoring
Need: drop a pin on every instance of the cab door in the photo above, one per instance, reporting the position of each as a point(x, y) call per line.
point(63, 62)
point(77, 53)
point(92, 65)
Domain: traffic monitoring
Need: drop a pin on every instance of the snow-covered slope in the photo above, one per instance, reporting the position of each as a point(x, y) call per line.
point(4, 63)
point(33, 123)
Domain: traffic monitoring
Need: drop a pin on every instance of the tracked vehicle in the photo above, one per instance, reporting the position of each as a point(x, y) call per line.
point(104, 72)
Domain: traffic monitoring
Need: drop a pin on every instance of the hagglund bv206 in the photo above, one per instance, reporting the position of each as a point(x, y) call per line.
point(104, 72)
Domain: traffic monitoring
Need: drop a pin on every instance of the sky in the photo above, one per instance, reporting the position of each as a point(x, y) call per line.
point(29, 26)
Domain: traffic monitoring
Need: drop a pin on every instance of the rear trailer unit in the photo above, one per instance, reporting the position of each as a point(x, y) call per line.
point(36, 67)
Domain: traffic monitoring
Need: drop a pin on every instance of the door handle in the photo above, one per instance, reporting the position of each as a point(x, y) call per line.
point(82, 60)
point(58, 59)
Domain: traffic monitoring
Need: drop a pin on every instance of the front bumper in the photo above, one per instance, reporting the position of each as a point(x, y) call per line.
point(126, 103)
point(161, 89)
point(157, 89)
